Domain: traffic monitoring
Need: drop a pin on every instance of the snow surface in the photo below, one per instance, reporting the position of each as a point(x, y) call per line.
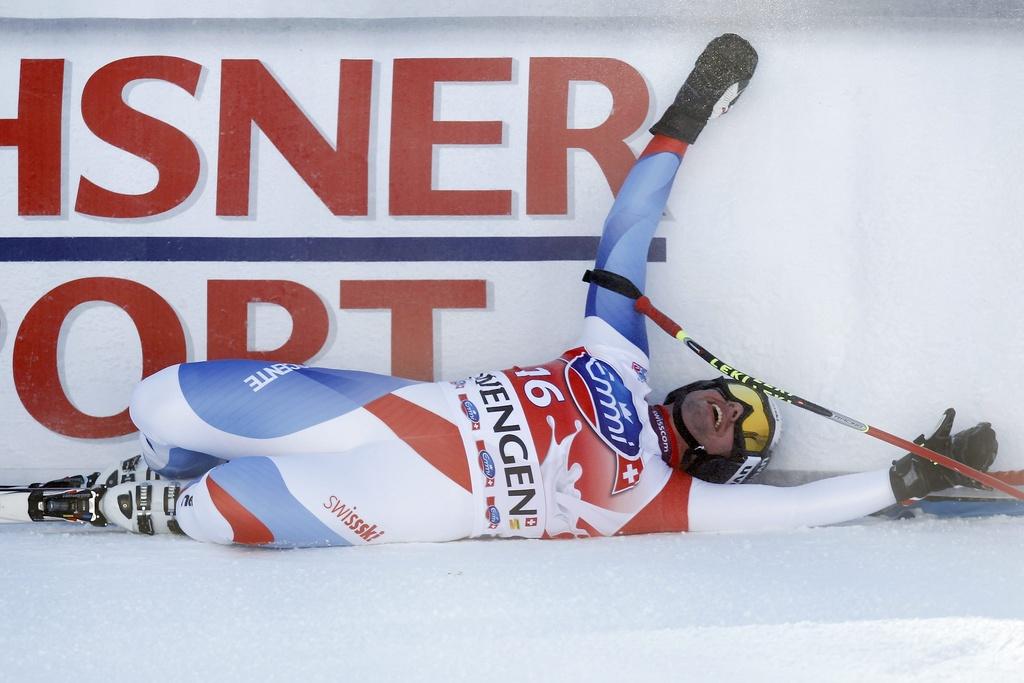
point(914, 600)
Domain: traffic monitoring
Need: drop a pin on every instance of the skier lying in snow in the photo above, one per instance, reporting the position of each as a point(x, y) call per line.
point(292, 456)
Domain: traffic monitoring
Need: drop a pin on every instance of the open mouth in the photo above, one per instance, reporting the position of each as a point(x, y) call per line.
point(718, 415)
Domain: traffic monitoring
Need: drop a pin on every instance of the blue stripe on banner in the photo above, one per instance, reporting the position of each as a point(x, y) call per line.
point(256, 483)
point(307, 249)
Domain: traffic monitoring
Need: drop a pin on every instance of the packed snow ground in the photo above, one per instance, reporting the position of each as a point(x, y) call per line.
point(915, 600)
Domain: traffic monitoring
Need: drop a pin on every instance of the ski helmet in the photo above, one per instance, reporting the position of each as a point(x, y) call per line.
point(755, 432)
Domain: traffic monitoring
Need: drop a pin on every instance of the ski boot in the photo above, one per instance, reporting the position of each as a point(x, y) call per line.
point(720, 74)
point(145, 507)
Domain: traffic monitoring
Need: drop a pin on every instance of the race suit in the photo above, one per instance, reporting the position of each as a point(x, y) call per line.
point(284, 455)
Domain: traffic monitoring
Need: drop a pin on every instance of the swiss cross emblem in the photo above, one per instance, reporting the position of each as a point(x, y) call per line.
point(627, 473)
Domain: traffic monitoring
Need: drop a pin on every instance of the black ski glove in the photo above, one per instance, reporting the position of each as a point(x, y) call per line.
point(915, 477)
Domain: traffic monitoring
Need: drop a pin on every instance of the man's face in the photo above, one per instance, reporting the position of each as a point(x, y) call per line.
point(711, 419)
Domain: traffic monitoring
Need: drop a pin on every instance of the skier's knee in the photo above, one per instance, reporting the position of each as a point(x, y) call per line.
point(199, 518)
point(174, 462)
point(247, 501)
point(152, 405)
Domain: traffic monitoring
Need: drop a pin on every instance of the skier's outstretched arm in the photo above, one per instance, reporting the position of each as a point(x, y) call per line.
point(753, 507)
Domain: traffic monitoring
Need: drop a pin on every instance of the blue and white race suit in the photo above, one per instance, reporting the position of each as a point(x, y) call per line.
point(284, 455)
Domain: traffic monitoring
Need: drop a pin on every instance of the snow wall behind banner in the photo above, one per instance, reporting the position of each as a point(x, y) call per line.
point(401, 190)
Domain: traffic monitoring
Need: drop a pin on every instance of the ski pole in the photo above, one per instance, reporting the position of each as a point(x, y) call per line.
point(621, 285)
point(1010, 476)
point(25, 488)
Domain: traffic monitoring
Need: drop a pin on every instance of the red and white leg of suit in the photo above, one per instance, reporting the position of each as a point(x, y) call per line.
point(314, 457)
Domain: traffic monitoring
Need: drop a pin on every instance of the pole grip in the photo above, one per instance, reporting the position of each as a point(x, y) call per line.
point(644, 306)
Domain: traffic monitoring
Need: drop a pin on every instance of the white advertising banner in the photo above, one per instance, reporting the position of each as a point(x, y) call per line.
point(415, 192)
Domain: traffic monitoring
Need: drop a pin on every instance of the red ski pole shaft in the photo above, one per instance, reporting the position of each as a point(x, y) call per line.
point(1010, 476)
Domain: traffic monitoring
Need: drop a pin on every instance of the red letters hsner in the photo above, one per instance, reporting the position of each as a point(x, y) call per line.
point(338, 172)
point(37, 135)
point(111, 119)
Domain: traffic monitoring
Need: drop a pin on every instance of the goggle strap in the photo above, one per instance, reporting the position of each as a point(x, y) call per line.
point(749, 467)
